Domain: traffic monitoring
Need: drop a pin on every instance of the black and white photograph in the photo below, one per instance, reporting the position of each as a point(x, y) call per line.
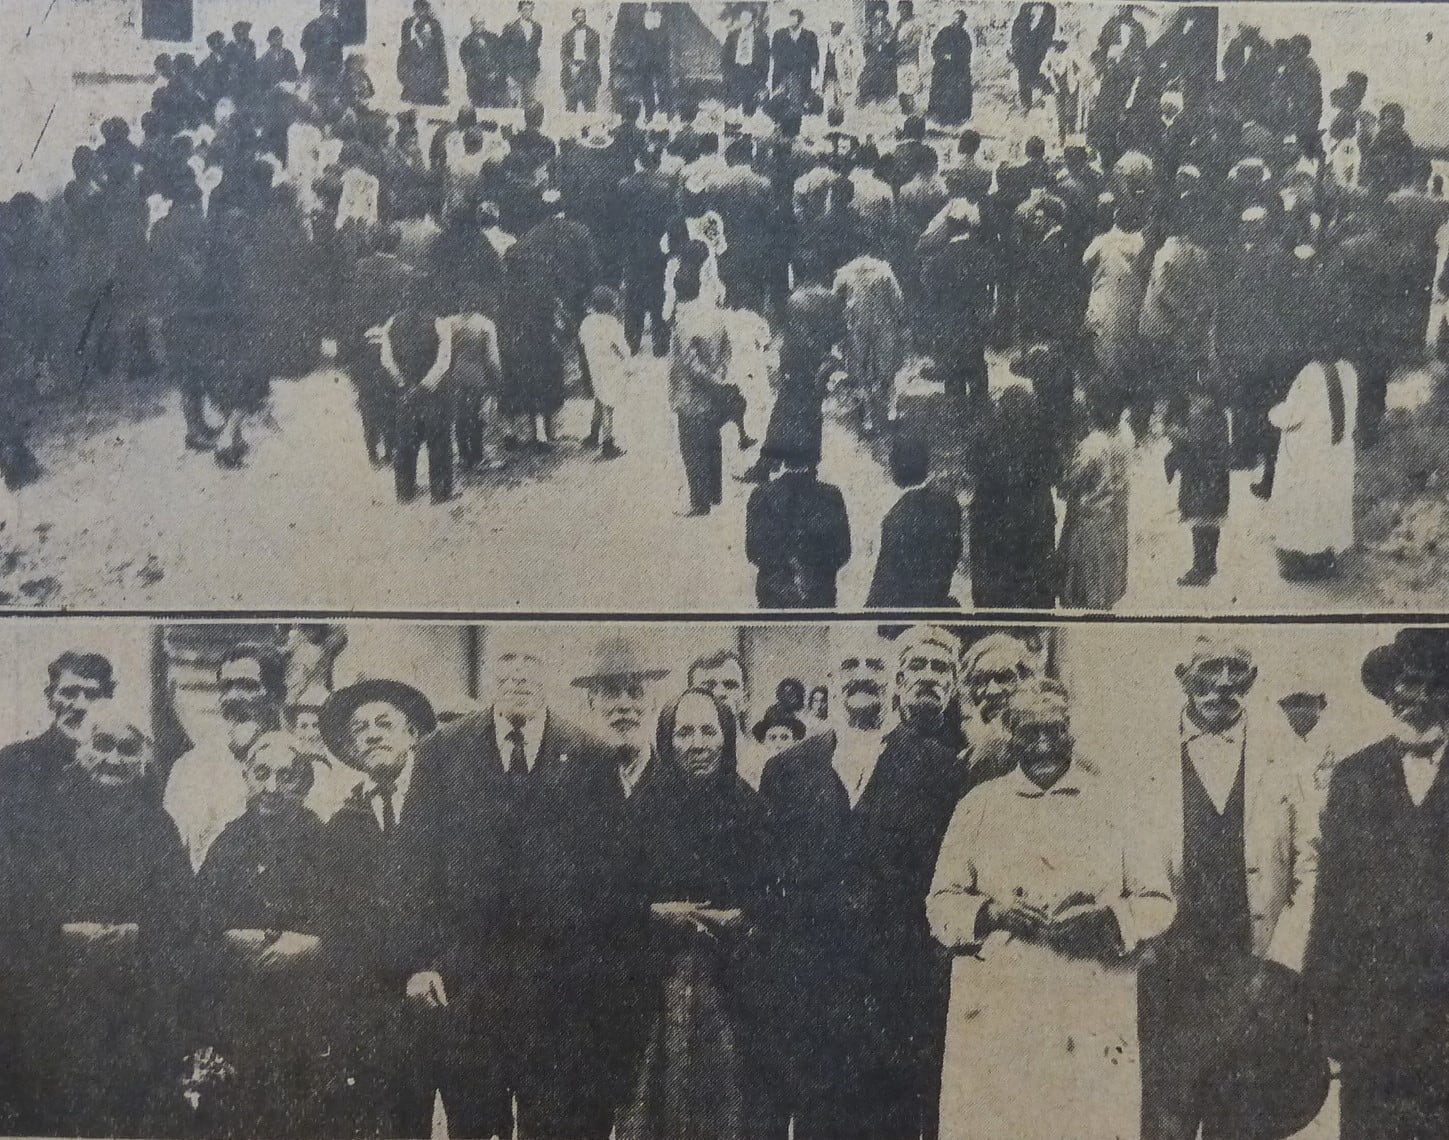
point(590, 307)
point(372, 879)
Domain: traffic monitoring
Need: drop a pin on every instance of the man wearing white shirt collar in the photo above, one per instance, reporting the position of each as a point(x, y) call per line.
point(1379, 952)
point(861, 807)
point(374, 726)
point(621, 687)
point(1242, 849)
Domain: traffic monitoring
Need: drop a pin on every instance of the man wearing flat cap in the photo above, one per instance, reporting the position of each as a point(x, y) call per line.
point(517, 979)
point(1241, 835)
point(1378, 958)
point(373, 908)
point(621, 685)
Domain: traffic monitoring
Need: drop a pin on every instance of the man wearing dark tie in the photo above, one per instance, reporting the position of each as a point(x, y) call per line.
point(370, 909)
point(518, 978)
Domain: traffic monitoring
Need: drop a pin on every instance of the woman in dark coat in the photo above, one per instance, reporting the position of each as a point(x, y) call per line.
point(1012, 517)
point(699, 843)
point(102, 917)
point(951, 90)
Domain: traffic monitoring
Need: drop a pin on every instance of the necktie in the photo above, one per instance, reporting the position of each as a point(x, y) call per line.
point(517, 759)
point(384, 793)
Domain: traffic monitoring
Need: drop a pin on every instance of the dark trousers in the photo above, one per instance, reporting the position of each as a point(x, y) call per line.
point(961, 366)
point(581, 99)
point(1182, 1008)
point(1374, 367)
point(469, 426)
point(700, 448)
point(424, 420)
point(644, 297)
point(651, 87)
point(742, 93)
point(1402, 1098)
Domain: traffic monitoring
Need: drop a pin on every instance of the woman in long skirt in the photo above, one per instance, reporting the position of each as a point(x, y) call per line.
point(1094, 543)
point(700, 833)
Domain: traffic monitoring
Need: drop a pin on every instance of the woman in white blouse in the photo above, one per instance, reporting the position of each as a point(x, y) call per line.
point(1048, 910)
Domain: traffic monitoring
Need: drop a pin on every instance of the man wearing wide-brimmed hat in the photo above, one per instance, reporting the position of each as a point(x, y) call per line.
point(369, 864)
point(1378, 957)
point(1240, 828)
point(621, 683)
point(516, 970)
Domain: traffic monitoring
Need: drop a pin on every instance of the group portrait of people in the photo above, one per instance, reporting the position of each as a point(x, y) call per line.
point(623, 893)
point(1175, 240)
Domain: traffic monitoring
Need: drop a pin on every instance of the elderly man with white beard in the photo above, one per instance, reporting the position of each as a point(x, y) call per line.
point(857, 814)
point(621, 685)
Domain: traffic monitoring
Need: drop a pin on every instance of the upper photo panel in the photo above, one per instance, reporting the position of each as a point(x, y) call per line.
point(707, 307)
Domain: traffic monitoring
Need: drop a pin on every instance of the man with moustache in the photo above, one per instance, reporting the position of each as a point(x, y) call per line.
point(205, 789)
point(30, 770)
point(526, 903)
point(1383, 898)
point(992, 669)
point(927, 675)
point(375, 918)
point(857, 814)
point(1241, 835)
point(620, 686)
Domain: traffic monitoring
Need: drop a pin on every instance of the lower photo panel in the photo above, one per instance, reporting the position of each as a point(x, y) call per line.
point(672, 881)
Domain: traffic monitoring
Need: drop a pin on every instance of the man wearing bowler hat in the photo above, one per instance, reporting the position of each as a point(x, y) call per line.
point(524, 887)
point(1242, 833)
point(1378, 958)
point(621, 685)
point(371, 908)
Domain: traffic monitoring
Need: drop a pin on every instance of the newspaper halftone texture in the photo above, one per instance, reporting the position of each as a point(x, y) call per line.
point(580, 881)
point(695, 307)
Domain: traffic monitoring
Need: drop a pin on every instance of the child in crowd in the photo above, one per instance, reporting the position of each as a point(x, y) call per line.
point(606, 356)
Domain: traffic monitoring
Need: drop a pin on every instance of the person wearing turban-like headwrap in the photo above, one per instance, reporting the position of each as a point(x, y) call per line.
point(1046, 904)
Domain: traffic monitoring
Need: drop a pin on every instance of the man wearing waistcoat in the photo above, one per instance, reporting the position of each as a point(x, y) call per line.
point(1378, 959)
point(1244, 835)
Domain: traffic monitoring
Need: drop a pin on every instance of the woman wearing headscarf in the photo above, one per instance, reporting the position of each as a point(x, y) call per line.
point(1012, 515)
point(1047, 906)
point(699, 842)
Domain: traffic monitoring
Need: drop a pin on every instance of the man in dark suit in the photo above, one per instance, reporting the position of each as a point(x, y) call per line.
point(381, 284)
point(1383, 898)
point(527, 895)
point(745, 63)
point(794, 56)
point(1032, 33)
point(376, 918)
point(857, 815)
point(644, 203)
point(519, 43)
point(746, 204)
point(30, 770)
point(797, 533)
point(920, 538)
point(579, 64)
point(481, 56)
point(322, 42)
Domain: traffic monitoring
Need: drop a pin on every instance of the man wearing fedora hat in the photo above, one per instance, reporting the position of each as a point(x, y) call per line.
point(1378, 958)
point(371, 905)
point(621, 684)
point(515, 971)
point(1242, 832)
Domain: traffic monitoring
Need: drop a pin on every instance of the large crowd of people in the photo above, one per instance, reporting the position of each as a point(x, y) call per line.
point(1208, 245)
point(924, 915)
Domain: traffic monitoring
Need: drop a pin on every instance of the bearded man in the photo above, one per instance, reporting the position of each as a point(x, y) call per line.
point(1383, 898)
point(857, 814)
